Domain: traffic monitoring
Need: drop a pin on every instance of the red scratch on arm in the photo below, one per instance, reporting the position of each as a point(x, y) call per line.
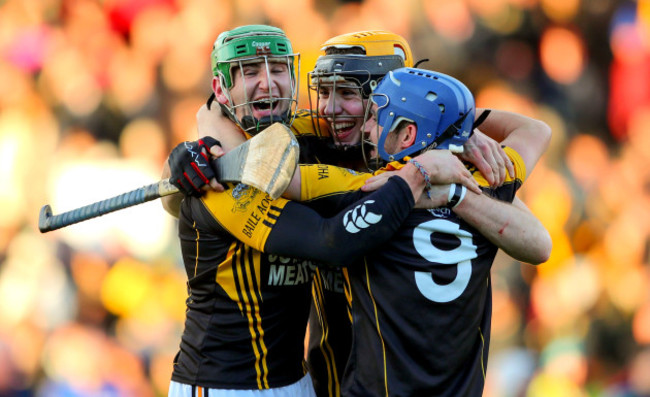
point(503, 228)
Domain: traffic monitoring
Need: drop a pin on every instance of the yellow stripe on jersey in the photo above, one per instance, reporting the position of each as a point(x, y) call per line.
point(239, 276)
point(325, 347)
point(226, 276)
point(196, 260)
point(480, 332)
point(518, 163)
point(320, 180)
point(347, 289)
point(381, 337)
point(247, 278)
point(247, 213)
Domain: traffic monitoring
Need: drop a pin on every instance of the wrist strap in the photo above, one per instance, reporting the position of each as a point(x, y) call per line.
point(456, 195)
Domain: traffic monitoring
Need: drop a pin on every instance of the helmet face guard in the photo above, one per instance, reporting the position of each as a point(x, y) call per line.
point(439, 105)
point(255, 44)
point(282, 108)
point(357, 72)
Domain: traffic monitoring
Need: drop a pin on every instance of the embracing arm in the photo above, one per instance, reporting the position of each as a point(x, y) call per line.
point(211, 123)
point(527, 136)
point(360, 227)
point(293, 229)
point(511, 227)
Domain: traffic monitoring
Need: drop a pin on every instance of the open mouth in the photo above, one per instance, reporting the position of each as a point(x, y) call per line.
point(266, 107)
point(343, 129)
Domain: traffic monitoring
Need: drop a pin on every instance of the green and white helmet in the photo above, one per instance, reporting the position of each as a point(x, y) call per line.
point(255, 44)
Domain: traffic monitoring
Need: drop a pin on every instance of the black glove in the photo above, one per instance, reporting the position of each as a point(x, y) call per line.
point(190, 165)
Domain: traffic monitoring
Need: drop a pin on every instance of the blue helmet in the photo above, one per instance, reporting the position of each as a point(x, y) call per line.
point(441, 107)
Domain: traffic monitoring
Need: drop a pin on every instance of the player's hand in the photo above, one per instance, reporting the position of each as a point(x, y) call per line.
point(190, 167)
point(377, 181)
point(438, 197)
point(443, 167)
point(489, 158)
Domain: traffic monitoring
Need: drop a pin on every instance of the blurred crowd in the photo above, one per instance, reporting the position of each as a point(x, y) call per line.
point(95, 93)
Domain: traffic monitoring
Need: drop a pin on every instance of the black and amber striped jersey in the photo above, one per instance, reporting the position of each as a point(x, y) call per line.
point(247, 310)
point(421, 305)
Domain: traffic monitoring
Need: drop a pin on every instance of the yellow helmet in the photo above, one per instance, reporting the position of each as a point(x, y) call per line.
point(373, 42)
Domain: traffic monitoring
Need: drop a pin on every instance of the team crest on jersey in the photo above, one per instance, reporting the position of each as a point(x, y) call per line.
point(243, 195)
point(346, 171)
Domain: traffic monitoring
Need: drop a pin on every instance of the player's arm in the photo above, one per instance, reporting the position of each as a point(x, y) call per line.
point(219, 135)
point(293, 229)
point(495, 128)
point(210, 121)
point(439, 166)
point(527, 136)
point(509, 226)
point(360, 227)
point(188, 168)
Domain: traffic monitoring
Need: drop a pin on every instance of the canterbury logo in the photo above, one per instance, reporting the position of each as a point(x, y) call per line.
point(360, 218)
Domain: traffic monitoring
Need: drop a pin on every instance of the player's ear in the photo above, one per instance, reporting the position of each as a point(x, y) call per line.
point(219, 94)
point(407, 136)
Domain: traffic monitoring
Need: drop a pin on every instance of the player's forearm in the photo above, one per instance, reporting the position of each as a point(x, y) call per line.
point(212, 122)
point(529, 137)
point(362, 226)
point(513, 229)
point(500, 124)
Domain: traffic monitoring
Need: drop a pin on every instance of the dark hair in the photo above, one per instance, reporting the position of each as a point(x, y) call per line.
point(345, 51)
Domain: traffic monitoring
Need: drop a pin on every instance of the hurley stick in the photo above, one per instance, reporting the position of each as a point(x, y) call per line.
point(267, 162)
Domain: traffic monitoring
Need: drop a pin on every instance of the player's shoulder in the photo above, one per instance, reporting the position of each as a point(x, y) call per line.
point(518, 163)
point(306, 125)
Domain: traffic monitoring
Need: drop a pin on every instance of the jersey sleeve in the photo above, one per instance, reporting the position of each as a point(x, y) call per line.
point(295, 230)
point(321, 180)
point(518, 164)
point(361, 226)
point(245, 212)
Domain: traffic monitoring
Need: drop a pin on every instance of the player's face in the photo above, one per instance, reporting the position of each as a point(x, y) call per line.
point(261, 84)
point(343, 108)
point(372, 131)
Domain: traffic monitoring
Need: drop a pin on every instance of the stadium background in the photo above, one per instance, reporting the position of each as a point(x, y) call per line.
point(94, 94)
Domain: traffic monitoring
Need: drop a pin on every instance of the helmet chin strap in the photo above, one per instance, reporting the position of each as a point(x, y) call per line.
point(448, 133)
point(250, 124)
